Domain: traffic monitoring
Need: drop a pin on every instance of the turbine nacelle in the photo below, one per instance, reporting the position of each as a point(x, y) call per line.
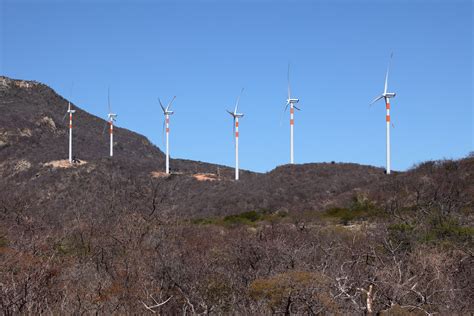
point(69, 108)
point(293, 101)
point(235, 114)
point(166, 110)
point(112, 116)
point(384, 96)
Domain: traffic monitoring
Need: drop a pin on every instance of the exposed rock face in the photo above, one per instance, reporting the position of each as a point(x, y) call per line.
point(22, 165)
point(3, 139)
point(6, 83)
point(48, 123)
point(3, 84)
point(25, 132)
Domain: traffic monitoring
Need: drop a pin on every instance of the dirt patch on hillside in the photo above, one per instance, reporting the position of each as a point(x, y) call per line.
point(162, 174)
point(64, 164)
point(159, 174)
point(205, 177)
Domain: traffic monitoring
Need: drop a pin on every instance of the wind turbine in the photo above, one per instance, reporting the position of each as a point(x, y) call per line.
point(112, 118)
point(71, 112)
point(236, 117)
point(387, 96)
point(167, 113)
point(291, 102)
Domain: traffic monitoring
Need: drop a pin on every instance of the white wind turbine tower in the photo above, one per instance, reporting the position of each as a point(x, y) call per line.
point(112, 118)
point(236, 117)
point(70, 112)
point(387, 96)
point(167, 113)
point(291, 102)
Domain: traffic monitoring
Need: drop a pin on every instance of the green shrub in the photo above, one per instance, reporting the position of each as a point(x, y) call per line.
point(448, 230)
point(203, 221)
point(361, 208)
point(243, 218)
point(401, 228)
point(71, 247)
point(246, 218)
point(403, 234)
point(274, 217)
point(3, 241)
point(344, 215)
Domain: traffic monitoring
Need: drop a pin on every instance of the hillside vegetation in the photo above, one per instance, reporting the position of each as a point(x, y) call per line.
point(116, 236)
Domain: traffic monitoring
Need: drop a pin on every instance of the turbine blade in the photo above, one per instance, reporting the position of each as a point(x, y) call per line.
point(230, 113)
point(169, 104)
point(70, 90)
point(386, 74)
point(376, 99)
point(281, 115)
point(105, 126)
point(67, 111)
point(108, 99)
point(289, 86)
point(238, 100)
point(296, 107)
point(70, 96)
point(162, 107)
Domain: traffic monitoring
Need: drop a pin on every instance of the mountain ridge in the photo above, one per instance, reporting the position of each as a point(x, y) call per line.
point(39, 139)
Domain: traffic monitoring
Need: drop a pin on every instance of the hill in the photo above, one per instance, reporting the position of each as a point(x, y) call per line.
point(34, 140)
point(117, 236)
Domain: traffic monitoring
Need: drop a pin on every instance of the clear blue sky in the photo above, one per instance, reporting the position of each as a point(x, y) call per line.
point(204, 52)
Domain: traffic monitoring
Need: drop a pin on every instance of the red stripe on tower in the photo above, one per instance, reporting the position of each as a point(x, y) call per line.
point(167, 129)
point(387, 105)
point(292, 111)
point(388, 118)
point(292, 121)
point(237, 134)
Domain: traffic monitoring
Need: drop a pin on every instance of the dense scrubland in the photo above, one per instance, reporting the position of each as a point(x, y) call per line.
point(116, 237)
